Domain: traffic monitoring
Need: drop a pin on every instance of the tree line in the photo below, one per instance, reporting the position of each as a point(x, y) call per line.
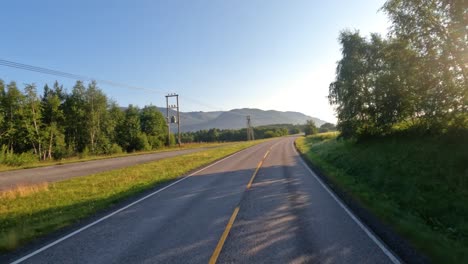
point(260, 132)
point(228, 135)
point(58, 124)
point(416, 77)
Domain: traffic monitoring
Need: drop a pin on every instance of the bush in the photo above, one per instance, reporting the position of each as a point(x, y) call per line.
point(269, 134)
point(156, 141)
point(11, 159)
point(141, 142)
point(115, 149)
point(60, 150)
point(84, 153)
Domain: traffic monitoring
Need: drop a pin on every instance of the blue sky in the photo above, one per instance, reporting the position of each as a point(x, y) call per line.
point(218, 55)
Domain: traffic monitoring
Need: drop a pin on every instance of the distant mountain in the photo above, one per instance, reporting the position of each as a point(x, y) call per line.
point(236, 118)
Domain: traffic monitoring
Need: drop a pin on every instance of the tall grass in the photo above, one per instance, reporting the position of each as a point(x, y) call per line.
point(29, 212)
point(419, 185)
point(9, 158)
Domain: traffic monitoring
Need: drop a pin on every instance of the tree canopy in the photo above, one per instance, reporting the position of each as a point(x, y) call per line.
point(416, 76)
point(58, 124)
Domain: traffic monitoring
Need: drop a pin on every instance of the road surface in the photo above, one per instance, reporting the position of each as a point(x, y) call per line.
point(286, 216)
point(11, 179)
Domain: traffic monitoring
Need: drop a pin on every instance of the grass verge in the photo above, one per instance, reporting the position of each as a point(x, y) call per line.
point(36, 164)
point(419, 186)
point(32, 212)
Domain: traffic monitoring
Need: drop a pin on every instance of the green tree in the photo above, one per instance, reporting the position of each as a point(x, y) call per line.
point(96, 113)
point(153, 124)
point(129, 132)
point(327, 127)
point(2, 111)
point(310, 128)
point(12, 105)
point(213, 135)
point(436, 31)
point(375, 86)
point(114, 116)
point(53, 120)
point(351, 90)
point(33, 119)
point(269, 134)
point(76, 121)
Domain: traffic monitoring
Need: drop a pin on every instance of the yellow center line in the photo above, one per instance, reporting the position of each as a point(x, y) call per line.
point(253, 176)
point(223, 238)
point(266, 154)
point(218, 248)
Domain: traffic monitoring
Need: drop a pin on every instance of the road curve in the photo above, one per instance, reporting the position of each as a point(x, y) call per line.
point(286, 216)
point(11, 179)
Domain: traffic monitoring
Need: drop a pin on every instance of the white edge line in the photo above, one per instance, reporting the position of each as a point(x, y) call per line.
point(366, 229)
point(118, 211)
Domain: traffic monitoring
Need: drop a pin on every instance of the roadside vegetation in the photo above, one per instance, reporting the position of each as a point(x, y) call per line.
point(402, 111)
point(83, 122)
point(418, 185)
point(32, 211)
point(10, 161)
point(227, 135)
point(59, 127)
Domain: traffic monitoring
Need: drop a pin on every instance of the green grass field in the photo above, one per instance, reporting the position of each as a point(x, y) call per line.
point(35, 164)
point(418, 185)
point(31, 212)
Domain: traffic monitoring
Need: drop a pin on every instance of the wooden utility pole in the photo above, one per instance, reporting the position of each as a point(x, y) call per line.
point(172, 119)
point(250, 132)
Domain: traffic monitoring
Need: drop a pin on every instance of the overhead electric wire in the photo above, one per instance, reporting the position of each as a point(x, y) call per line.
point(73, 76)
point(27, 67)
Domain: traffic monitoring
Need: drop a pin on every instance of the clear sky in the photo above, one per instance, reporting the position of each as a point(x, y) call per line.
point(218, 54)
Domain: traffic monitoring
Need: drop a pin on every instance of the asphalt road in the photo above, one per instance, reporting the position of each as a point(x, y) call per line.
point(287, 216)
point(11, 179)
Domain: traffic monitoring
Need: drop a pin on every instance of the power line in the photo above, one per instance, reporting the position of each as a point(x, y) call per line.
point(31, 68)
point(73, 76)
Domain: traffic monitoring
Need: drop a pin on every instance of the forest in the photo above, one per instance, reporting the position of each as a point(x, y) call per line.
point(58, 124)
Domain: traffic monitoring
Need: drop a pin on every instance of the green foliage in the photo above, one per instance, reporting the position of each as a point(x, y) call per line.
point(128, 131)
point(418, 74)
point(294, 131)
point(12, 101)
point(115, 149)
point(269, 134)
point(74, 108)
point(418, 184)
point(225, 135)
point(84, 122)
point(11, 159)
point(327, 127)
point(310, 128)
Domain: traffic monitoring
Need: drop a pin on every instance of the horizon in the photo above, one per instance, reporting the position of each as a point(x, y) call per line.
point(216, 55)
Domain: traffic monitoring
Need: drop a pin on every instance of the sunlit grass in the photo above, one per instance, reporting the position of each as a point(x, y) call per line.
point(33, 211)
point(419, 185)
point(74, 159)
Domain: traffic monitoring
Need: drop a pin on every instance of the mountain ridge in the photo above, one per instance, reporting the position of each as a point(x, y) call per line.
point(236, 118)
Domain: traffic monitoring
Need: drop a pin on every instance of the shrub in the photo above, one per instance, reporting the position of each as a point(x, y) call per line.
point(115, 149)
point(11, 159)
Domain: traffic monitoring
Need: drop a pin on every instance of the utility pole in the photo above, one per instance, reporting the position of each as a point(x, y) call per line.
point(250, 132)
point(172, 119)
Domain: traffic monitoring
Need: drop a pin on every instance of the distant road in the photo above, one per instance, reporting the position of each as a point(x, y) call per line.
point(286, 216)
point(11, 179)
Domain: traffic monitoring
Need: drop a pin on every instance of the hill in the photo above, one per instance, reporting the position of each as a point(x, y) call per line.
point(236, 118)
